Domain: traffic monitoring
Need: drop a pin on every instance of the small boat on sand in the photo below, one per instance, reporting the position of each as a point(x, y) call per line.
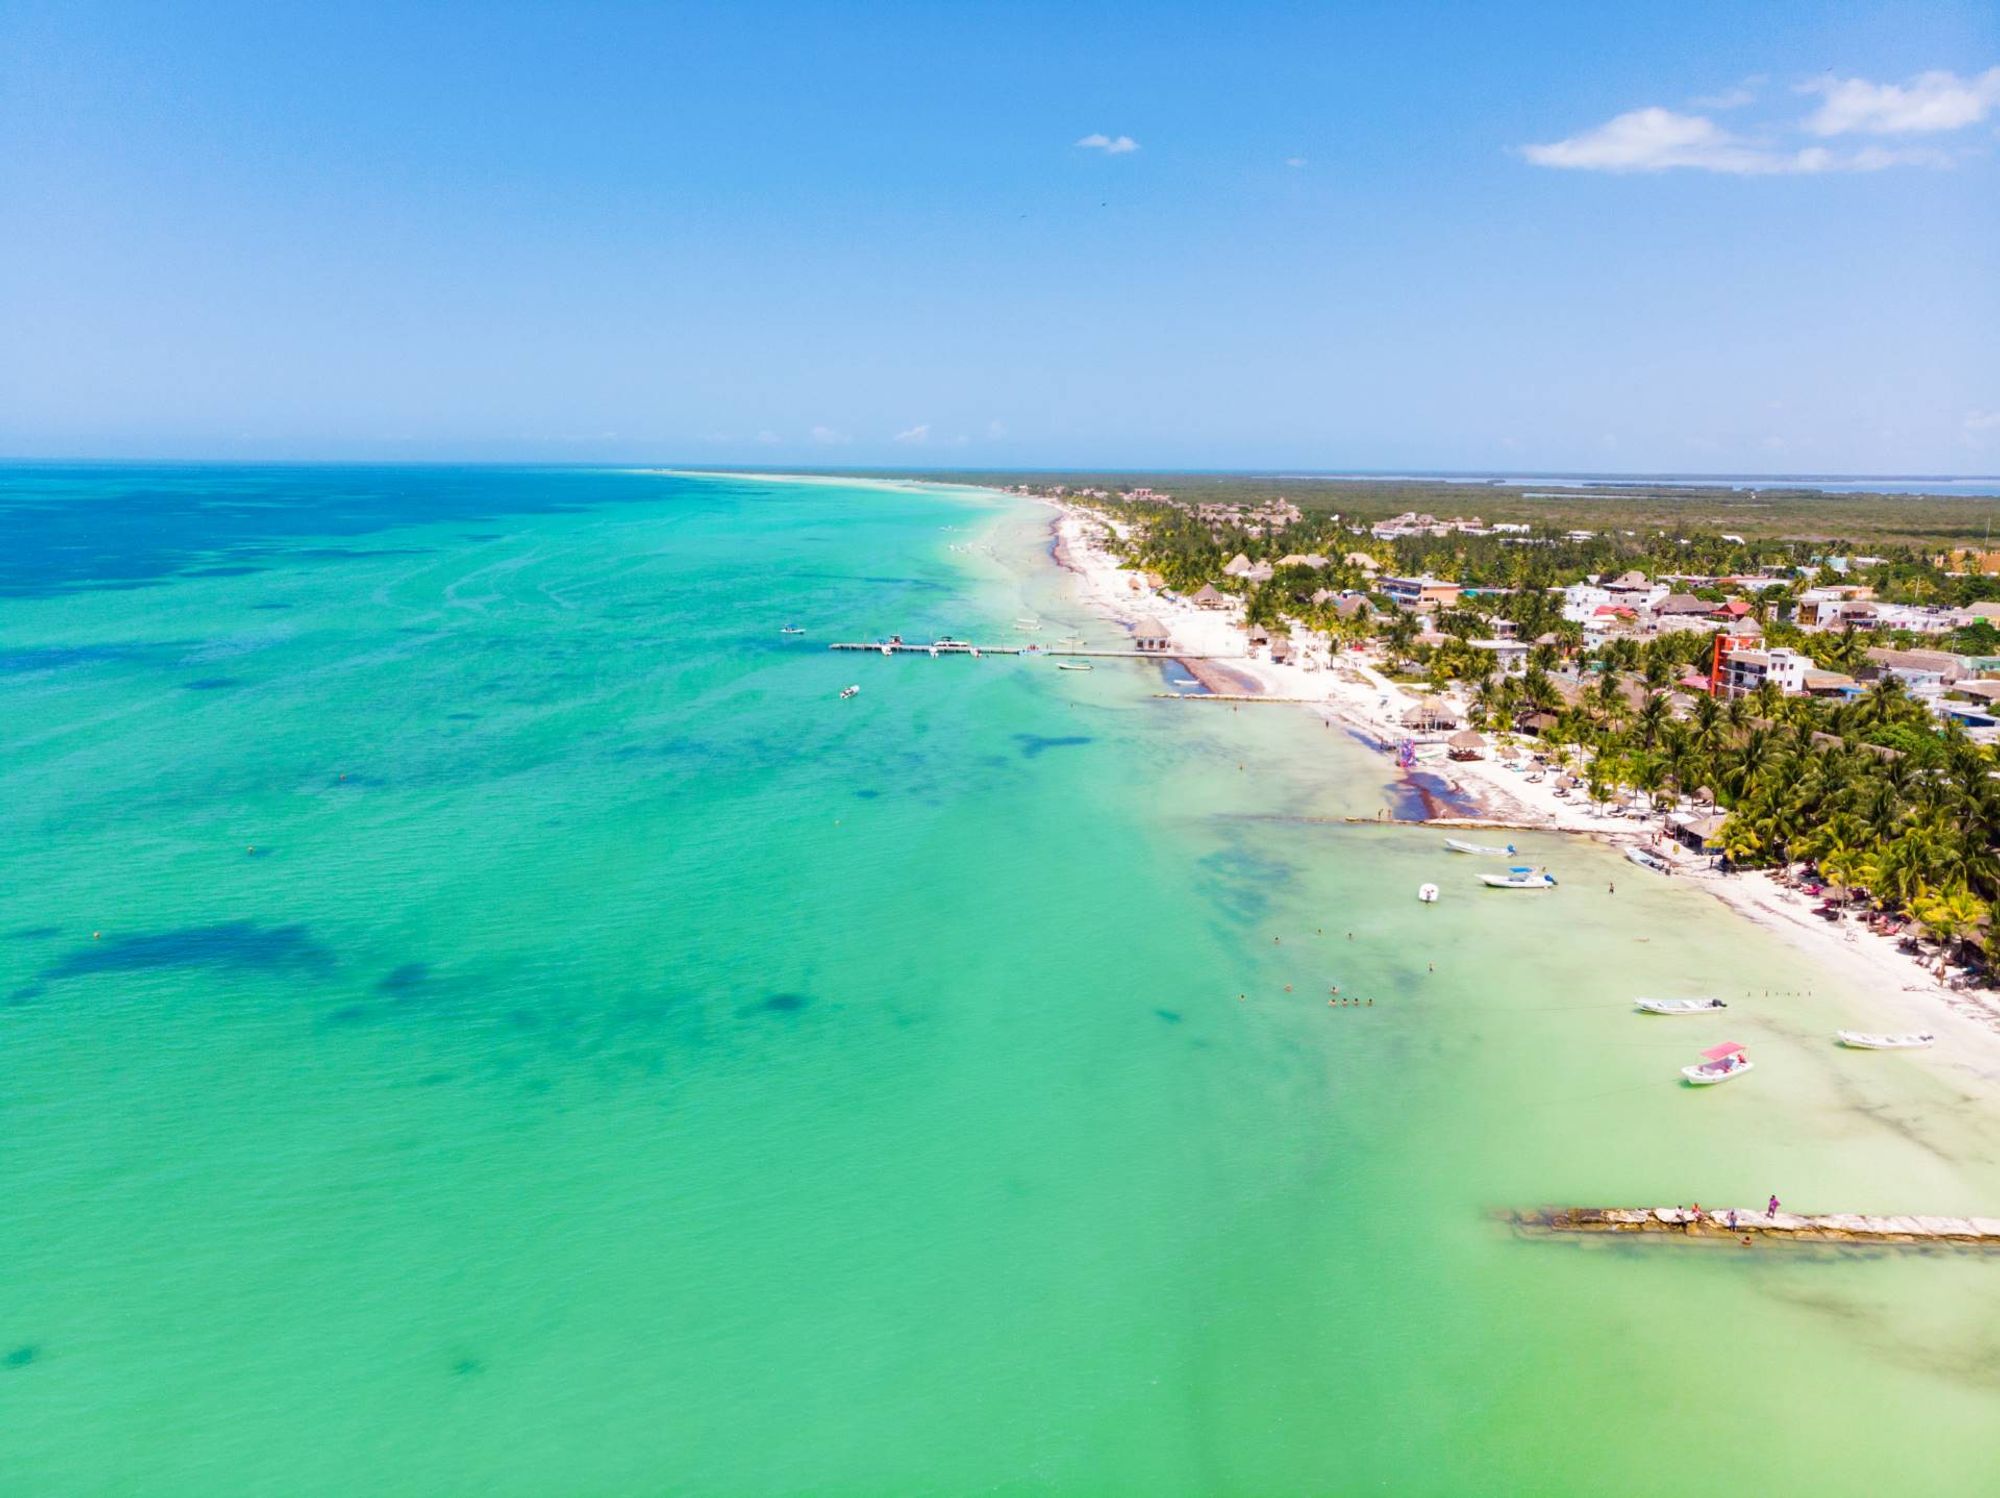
point(1679, 1006)
point(1520, 878)
point(1073, 665)
point(1864, 1042)
point(847, 692)
point(1719, 1063)
point(1647, 859)
point(1454, 845)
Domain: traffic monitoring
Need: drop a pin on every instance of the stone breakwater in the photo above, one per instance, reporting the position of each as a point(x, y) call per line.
point(1754, 1223)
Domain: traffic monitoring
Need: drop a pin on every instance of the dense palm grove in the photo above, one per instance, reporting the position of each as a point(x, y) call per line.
point(1882, 800)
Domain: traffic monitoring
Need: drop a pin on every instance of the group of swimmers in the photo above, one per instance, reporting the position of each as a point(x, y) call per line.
point(1335, 1002)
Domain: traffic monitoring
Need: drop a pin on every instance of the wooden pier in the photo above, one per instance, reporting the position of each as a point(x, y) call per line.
point(904, 647)
point(1236, 696)
point(1753, 1223)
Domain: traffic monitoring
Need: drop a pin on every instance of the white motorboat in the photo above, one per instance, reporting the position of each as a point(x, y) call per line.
point(1520, 878)
point(1073, 665)
point(1679, 1006)
point(888, 649)
point(1645, 858)
point(1719, 1063)
point(1863, 1042)
point(847, 692)
point(1455, 846)
point(791, 629)
point(1428, 893)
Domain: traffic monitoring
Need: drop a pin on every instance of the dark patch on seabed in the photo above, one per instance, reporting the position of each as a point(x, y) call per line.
point(778, 1003)
point(1034, 744)
point(243, 571)
point(20, 1357)
point(405, 979)
point(1419, 795)
point(210, 684)
point(1238, 880)
point(243, 945)
point(34, 933)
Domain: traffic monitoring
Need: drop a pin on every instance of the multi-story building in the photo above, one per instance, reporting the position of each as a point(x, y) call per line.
point(1742, 672)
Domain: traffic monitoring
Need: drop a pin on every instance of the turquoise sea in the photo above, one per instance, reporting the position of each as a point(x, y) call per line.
point(482, 1015)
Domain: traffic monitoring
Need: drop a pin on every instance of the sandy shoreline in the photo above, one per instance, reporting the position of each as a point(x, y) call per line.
point(1346, 691)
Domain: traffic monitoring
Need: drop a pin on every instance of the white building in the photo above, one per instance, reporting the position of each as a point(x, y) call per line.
point(1744, 671)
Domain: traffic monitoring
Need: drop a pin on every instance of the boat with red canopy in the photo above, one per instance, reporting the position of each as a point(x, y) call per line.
point(1718, 1064)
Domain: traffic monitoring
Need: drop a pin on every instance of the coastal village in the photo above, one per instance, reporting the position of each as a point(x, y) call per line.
point(1806, 731)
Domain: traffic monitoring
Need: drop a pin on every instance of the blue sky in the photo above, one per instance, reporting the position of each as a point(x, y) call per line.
point(1677, 237)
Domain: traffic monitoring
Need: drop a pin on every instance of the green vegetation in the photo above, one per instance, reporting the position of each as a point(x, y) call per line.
point(1922, 521)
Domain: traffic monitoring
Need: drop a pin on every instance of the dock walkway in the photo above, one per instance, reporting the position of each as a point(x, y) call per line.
point(906, 648)
point(1751, 1222)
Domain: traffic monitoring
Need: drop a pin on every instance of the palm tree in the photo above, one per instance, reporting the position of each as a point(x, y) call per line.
point(1739, 842)
point(1949, 914)
point(1651, 716)
point(1706, 732)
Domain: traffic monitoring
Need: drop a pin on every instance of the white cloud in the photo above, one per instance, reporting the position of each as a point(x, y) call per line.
point(1658, 140)
point(1652, 140)
point(768, 438)
point(1734, 97)
point(1928, 103)
point(1295, 161)
point(1982, 421)
point(1110, 145)
point(916, 436)
point(996, 430)
point(829, 437)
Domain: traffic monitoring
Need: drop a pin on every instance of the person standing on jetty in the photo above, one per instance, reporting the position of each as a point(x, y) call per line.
point(1772, 1210)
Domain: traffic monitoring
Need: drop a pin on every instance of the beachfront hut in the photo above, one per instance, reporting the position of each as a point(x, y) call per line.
point(1150, 634)
point(1259, 635)
point(1208, 598)
point(1700, 833)
point(1281, 649)
point(1535, 723)
point(1465, 744)
point(1430, 715)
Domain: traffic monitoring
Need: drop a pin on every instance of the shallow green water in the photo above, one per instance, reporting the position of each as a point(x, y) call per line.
point(621, 1067)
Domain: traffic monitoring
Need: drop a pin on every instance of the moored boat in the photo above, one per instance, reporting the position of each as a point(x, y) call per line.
point(1520, 878)
point(846, 692)
point(1679, 1006)
point(1646, 859)
point(1073, 665)
point(791, 629)
point(1719, 1063)
point(1454, 845)
point(1861, 1041)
